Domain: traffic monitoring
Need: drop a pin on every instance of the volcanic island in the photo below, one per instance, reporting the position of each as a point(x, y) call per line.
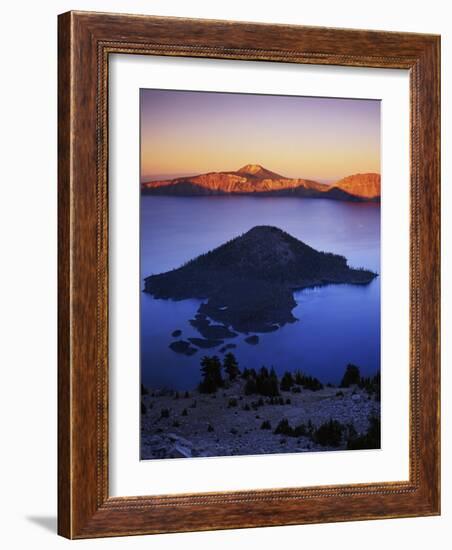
point(247, 284)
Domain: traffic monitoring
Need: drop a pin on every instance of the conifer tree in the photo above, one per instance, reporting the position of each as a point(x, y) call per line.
point(231, 366)
point(212, 377)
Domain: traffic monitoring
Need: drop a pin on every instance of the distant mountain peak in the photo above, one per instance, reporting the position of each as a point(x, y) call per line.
point(257, 170)
point(251, 169)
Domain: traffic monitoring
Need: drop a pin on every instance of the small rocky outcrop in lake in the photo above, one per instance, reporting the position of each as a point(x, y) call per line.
point(209, 331)
point(205, 343)
point(181, 346)
point(249, 281)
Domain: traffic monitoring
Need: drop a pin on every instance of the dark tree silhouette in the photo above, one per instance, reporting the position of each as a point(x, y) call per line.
point(308, 382)
point(351, 376)
point(231, 366)
point(212, 377)
point(329, 434)
point(287, 381)
point(263, 383)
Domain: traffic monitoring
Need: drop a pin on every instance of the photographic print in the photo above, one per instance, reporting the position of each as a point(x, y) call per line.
point(260, 274)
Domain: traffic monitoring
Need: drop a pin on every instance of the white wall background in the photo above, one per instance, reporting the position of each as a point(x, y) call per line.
point(28, 269)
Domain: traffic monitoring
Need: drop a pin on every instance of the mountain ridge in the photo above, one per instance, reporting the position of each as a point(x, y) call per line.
point(254, 179)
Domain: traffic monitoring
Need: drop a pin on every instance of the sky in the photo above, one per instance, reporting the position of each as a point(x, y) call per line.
point(325, 139)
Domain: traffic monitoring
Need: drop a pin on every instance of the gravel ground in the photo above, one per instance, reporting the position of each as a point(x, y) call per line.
point(212, 425)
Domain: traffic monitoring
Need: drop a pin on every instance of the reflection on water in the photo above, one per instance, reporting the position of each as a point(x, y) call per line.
point(337, 324)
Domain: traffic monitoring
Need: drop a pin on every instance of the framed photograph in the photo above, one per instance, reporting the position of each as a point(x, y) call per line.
point(248, 275)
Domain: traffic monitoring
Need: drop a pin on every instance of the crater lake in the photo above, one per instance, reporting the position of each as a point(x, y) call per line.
point(335, 324)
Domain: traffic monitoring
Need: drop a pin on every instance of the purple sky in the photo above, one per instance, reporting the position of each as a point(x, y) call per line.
point(320, 138)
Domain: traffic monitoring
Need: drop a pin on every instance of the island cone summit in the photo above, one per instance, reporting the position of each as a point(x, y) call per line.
point(249, 281)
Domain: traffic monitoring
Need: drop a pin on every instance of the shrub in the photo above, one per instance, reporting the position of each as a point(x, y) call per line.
point(312, 384)
point(296, 389)
point(246, 407)
point(266, 425)
point(144, 390)
point(351, 376)
point(232, 402)
point(329, 434)
point(164, 413)
point(372, 386)
point(210, 428)
point(194, 404)
point(176, 424)
point(187, 395)
point(288, 401)
point(370, 440)
point(143, 408)
point(300, 430)
point(350, 432)
point(185, 412)
point(284, 428)
point(308, 382)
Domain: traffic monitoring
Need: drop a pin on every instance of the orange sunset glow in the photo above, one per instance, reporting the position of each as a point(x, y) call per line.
point(324, 139)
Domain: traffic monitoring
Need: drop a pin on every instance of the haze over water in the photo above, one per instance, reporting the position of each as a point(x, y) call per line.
point(337, 324)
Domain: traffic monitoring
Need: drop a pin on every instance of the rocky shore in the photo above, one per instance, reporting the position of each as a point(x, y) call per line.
point(230, 422)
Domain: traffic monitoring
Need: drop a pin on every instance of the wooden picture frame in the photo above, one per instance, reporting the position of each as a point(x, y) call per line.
point(86, 40)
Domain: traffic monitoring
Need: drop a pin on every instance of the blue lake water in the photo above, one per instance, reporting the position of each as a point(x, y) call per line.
point(337, 324)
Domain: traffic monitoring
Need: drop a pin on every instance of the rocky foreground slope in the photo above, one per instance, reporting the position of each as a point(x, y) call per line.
point(193, 424)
